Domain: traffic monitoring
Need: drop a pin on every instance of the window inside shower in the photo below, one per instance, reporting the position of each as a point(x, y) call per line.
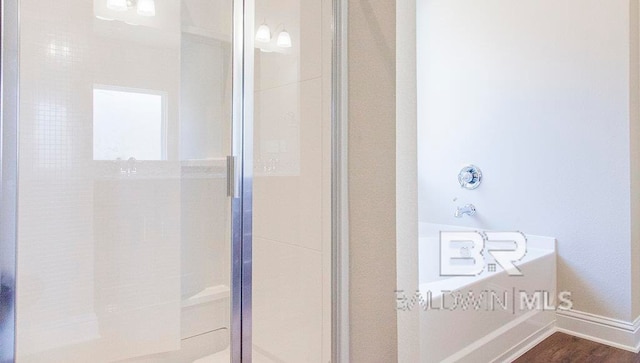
point(128, 124)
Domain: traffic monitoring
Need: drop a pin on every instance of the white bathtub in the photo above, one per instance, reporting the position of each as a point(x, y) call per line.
point(497, 330)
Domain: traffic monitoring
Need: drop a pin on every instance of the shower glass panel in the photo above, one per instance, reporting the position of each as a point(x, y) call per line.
point(123, 214)
point(291, 310)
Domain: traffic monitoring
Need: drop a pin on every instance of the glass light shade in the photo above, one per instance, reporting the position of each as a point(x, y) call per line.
point(263, 34)
point(284, 39)
point(146, 7)
point(117, 5)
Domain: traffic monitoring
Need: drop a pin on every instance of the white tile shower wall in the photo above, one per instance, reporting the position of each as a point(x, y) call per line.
point(205, 128)
point(292, 245)
point(287, 301)
point(205, 81)
point(536, 93)
point(99, 264)
point(198, 15)
point(204, 232)
point(303, 19)
point(291, 202)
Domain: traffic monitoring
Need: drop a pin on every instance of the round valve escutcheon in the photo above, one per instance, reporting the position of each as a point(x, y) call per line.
point(470, 177)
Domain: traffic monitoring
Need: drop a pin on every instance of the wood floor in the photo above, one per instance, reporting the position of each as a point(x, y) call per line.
point(563, 348)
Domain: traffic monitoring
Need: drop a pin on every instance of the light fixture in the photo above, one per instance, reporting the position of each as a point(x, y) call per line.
point(117, 5)
point(146, 8)
point(284, 39)
point(263, 34)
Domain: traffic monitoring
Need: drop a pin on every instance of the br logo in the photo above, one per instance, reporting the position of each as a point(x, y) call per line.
point(465, 253)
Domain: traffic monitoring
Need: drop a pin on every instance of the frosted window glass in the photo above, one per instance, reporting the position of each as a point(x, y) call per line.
point(127, 124)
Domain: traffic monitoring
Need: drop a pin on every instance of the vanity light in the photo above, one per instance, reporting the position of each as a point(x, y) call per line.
point(263, 34)
point(284, 39)
point(146, 8)
point(117, 5)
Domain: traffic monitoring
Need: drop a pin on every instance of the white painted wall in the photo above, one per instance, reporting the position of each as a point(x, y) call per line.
point(634, 137)
point(406, 177)
point(536, 93)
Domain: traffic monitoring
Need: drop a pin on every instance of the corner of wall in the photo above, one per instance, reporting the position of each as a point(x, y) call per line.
point(372, 180)
point(407, 176)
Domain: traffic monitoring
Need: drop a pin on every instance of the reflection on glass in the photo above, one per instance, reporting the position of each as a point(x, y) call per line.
point(291, 240)
point(146, 7)
point(117, 5)
point(284, 39)
point(128, 125)
point(124, 261)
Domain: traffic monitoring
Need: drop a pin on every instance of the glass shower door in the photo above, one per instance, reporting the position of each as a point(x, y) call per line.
point(124, 222)
point(291, 49)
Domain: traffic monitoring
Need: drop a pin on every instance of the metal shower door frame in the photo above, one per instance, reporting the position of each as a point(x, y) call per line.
point(9, 36)
point(242, 195)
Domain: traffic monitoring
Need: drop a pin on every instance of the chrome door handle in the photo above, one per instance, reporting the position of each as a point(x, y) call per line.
point(232, 179)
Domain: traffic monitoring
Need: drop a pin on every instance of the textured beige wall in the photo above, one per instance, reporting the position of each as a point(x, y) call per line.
point(372, 183)
point(407, 176)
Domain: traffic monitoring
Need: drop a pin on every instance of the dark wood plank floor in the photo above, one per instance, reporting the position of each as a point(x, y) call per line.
point(565, 348)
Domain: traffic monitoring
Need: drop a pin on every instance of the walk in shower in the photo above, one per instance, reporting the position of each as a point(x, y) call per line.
point(167, 181)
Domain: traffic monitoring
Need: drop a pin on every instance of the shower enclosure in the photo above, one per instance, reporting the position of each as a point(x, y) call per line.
point(167, 181)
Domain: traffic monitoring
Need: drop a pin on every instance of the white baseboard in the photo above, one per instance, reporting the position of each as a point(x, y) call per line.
point(612, 332)
point(524, 346)
point(512, 339)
